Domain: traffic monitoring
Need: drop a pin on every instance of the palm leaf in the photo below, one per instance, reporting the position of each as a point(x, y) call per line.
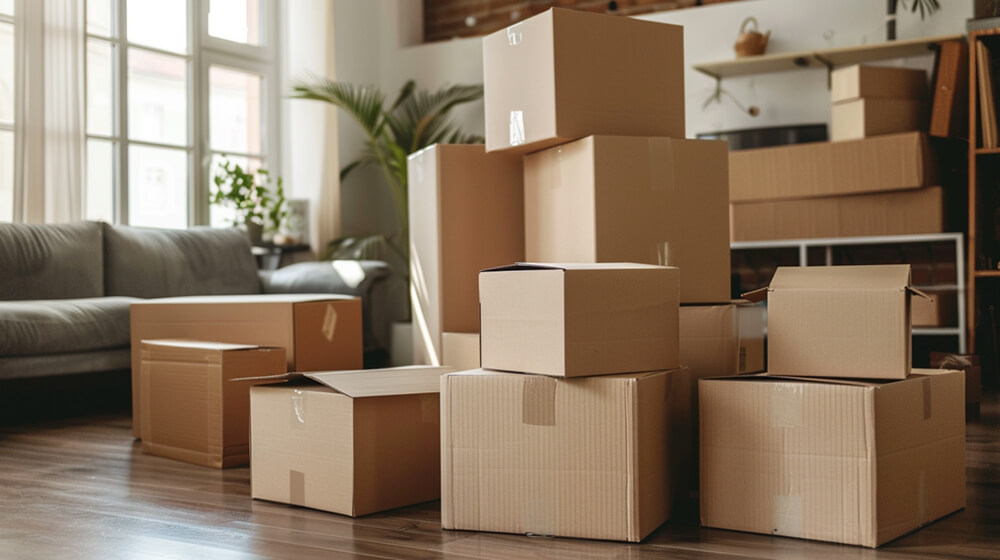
point(364, 103)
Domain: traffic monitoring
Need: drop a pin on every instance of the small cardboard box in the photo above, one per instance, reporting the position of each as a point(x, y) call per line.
point(864, 118)
point(565, 74)
point(349, 442)
point(839, 321)
point(913, 211)
point(460, 350)
point(877, 82)
point(572, 320)
point(466, 214)
point(882, 163)
point(585, 457)
point(318, 331)
point(832, 460)
point(191, 411)
point(630, 199)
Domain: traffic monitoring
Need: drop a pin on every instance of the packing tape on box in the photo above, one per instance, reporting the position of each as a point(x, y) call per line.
point(925, 386)
point(296, 488)
point(661, 253)
point(538, 401)
point(516, 128)
point(786, 405)
point(661, 165)
point(430, 409)
point(298, 408)
point(329, 323)
point(514, 35)
point(787, 515)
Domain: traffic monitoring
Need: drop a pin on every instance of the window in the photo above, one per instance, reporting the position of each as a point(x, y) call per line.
point(6, 110)
point(165, 102)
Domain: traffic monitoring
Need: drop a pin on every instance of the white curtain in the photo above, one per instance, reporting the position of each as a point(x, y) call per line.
point(51, 159)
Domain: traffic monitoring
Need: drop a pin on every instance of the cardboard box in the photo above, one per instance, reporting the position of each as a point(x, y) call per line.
point(318, 331)
point(832, 460)
point(466, 214)
point(906, 212)
point(877, 82)
point(627, 199)
point(349, 442)
point(572, 320)
point(883, 163)
point(191, 411)
point(585, 457)
point(867, 117)
point(839, 321)
point(942, 311)
point(460, 350)
point(565, 74)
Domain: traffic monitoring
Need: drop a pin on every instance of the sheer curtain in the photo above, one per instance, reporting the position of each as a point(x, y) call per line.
point(50, 166)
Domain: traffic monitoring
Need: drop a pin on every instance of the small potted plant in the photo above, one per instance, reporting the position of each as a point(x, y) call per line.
point(257, 199)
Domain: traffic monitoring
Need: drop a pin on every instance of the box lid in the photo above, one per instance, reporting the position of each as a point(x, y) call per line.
point(408, 380)
point(246, 298)
point(835, 278)
point(570, 266)
point(199, 344)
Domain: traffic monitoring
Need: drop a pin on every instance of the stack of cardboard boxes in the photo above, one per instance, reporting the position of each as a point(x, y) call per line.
point(840, 441)
point(876, 176)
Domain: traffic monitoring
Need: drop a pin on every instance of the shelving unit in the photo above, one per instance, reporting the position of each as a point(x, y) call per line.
point(827, 246)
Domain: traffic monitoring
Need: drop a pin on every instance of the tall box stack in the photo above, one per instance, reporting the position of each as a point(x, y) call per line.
point(840, 441)
point(567, 429)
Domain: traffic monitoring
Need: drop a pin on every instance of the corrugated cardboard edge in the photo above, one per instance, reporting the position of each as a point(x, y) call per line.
point(447, 498)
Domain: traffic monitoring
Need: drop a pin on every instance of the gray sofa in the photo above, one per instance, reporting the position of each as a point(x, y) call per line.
point(65, 289)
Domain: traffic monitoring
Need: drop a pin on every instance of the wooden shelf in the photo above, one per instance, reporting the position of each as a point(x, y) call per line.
point(987, 273)
point(981, 151)
point(828, 58)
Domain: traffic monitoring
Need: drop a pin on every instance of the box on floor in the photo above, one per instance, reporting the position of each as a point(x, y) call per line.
point(565, 74)
point(466, 214)
point(882, 163)
point(839, 321)
point(573, 320)
point(191, 410)
point(832, 460)
point(905, 212)
point(318, 331)
point(349, 442)
point(632, 199)
point(584, 457)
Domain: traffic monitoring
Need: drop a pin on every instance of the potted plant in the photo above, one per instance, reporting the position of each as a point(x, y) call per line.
point(257, 199)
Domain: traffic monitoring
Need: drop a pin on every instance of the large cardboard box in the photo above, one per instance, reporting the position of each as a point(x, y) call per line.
point(629, 199)
point(466, 214)
point(318, 331)
point(572, 320)
point(906, 212)
point(565, 74)
point(585, 457)
point(460, 350)
point(883, 163)
point(867, 117)
point(877, 82)
point(839, 321)
point(349, 442)
point(191, 410)
point(832, 460)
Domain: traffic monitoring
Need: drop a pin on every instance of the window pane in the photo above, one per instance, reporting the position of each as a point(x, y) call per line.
point(157, 97)
point(219, 216)
point(158, 23)
point(99, 87)
point(6, 175)
point(158, 187)
point(7, 7)
point(235, 111)
point(235, 20)
point(99, 17)
point(100, 180)
point(6, 72)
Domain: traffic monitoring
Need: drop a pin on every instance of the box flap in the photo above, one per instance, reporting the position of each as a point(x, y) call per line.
point(569, 266)
point(199, 344)
point(755, 296)
point(892, 276)
point(410, 380)
point(918, 293)
point(777, 378)
point(246, 298)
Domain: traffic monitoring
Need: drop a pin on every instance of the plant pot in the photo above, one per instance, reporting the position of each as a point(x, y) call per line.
point(255, 232)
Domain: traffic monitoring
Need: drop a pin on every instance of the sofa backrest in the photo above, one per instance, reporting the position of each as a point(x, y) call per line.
point(151, 263)
point(51, 261)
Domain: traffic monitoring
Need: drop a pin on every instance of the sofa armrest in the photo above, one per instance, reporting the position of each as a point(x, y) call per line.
point(365, 279)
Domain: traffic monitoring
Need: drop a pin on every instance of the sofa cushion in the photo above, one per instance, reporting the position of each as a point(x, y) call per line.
point(21, 367)
point(151, 263)
point(51, 261)
point(29, 328)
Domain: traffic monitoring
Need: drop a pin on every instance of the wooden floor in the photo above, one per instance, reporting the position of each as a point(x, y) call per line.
point(83, 489)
